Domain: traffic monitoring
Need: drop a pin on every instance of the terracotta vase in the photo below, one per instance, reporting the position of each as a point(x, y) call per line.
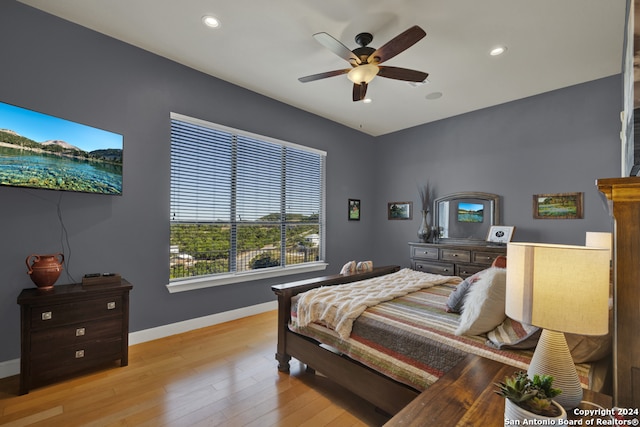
point(45, 269)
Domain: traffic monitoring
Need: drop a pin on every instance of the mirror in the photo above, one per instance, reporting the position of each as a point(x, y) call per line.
point(465, 217)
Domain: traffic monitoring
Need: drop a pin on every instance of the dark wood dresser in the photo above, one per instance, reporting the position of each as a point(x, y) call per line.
point(449, 259)
point(72, 329)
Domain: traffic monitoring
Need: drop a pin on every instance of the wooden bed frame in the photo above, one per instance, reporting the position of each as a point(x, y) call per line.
point(385, 393)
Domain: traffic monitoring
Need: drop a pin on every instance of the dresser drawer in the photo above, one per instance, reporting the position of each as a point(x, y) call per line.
point(64, 361)
point(444, 269)
point(455, 255)
point(424, 253)
point(466, 270)
point(483, 257)
point(75, 334)
point(61, 314)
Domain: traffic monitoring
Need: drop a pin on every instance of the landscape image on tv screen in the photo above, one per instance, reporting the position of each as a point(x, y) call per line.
point(42, 151)
point(470, 212)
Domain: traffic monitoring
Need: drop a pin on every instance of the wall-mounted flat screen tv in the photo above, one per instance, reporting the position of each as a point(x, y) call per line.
point(42, 151)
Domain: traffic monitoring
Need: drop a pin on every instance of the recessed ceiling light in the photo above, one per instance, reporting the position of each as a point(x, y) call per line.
point(498, 50)
point(210, 21)
point(367, 100)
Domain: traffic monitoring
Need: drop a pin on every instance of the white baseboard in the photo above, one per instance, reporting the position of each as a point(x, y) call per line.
point(200, 322)
point(12, 367)
point(9, 368)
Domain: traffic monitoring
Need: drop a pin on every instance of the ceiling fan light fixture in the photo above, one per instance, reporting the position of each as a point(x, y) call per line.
point(363, 73)
point(210, 21)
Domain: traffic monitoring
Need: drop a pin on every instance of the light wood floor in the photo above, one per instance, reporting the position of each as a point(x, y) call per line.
point(224, 375)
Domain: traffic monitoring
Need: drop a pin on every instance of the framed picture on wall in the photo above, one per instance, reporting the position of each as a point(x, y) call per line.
point(354, 210)
point(558, 206)
point(400, 210)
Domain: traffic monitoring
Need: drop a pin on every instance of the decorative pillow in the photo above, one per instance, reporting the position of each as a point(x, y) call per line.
point(364, 266)
point(349, 268)
point(513, 334)
point(591, 348)
point(483, 308)
point(500, 261)
point(457, 297)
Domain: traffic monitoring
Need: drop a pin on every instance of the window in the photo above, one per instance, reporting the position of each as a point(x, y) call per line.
point(243, 206)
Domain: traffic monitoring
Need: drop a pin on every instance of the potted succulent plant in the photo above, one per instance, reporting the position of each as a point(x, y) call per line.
point(530, 399)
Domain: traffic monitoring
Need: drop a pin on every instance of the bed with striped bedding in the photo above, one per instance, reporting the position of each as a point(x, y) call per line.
point(412, 340)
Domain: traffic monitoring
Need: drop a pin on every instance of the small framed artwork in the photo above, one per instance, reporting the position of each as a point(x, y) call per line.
point(354, 210)
point(558, 206)
point(500, 234)
point(400, 210)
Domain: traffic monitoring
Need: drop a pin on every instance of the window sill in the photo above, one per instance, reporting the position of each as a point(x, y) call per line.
point(220, 280)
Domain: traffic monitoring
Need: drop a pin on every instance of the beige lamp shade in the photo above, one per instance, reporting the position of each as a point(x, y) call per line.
point(559, 287)
point(596, 239)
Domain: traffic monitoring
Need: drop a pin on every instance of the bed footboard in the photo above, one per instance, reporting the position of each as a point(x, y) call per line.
point(288, 290)
point(383, 392)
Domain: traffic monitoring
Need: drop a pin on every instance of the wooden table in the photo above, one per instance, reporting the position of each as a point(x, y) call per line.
point(465, 396)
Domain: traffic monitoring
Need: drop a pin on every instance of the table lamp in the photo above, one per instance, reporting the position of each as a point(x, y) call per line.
point(559, 288)
point(598, 239)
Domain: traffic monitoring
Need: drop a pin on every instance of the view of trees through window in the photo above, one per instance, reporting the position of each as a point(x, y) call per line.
point(203, 249)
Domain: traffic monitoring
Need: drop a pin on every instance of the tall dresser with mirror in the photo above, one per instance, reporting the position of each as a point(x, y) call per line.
point(462, 221)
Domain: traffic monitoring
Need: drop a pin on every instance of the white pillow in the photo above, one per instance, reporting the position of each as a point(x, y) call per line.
point(483, 307)
point(349, 268)
point(364, 266)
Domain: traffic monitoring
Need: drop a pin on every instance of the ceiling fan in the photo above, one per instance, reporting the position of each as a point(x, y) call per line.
point(365, 61)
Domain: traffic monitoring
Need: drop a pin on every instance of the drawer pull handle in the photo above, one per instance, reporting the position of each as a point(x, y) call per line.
point(455, 255)
point(426, 252)
point(111, 305)
point(420, 267)
point(79, 354)
point(80, 332)
point(445, 269)
point(47, 315)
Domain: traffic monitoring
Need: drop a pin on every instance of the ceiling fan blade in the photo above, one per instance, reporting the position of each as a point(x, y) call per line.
point(336, 47)
point(402, 74)
point(397, 45)
point(324, 75)
point(359, 91)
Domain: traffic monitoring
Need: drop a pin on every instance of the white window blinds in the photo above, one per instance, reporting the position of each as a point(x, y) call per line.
point(241, 202)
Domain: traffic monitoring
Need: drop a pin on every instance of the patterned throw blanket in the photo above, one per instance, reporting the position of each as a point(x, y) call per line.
point(337, 307)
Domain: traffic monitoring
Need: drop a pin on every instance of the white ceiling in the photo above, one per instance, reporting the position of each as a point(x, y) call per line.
point(265, 46)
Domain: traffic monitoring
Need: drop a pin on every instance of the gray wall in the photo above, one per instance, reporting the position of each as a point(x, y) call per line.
point(52, 66)
point(557, 142)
